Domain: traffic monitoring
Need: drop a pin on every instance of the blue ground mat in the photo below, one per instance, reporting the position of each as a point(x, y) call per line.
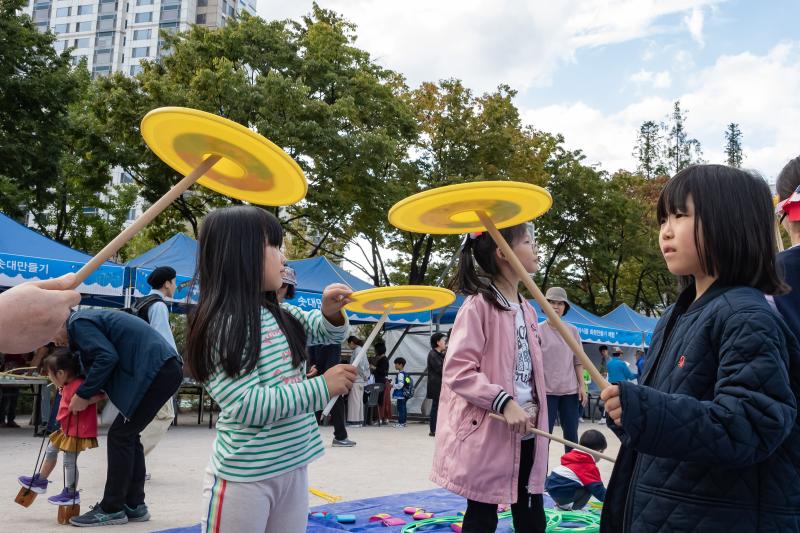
point(438, 501)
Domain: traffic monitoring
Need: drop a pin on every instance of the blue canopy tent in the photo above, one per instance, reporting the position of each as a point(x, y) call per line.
point(592, 328)
point(178, 252)
point(26, 255)
point(630, 319)
point(313, 275)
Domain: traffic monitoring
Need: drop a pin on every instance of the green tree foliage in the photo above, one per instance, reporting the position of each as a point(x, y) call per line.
point(649, 150)
point(682, 150)
point(733, 145)
point(52, 167)
point(463, 137)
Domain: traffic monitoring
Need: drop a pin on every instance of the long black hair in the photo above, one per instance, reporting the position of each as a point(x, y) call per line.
point(478, 252)
point(734, 216)
point(225, 328)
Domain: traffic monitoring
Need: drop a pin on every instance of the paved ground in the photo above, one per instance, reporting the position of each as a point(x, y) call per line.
point(385, 461)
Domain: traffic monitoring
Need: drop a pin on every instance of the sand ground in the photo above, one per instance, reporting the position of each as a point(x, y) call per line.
point(369, 469)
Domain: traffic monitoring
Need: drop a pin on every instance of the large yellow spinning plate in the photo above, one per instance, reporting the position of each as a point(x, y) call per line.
point(251, 169)
point(401, 299)
point(451, 209)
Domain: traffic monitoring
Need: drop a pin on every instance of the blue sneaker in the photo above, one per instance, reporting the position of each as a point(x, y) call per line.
point(66, 497)
point(138, 513)
point(98, 517)
point(35, 483)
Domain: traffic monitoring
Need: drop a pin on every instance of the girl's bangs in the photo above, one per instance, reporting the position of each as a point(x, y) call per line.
point(673, 196)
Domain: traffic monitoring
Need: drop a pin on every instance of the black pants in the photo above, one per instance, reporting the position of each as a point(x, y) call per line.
point(337, 418)
point(8, 404)
point(527, 512)
point(434, 413)
point(126, 468)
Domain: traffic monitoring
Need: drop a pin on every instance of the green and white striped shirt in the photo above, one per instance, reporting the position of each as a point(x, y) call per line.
point(267, 426)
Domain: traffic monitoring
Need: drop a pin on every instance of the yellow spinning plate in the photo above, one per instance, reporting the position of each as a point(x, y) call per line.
point(451, 209)
point(251, 169)
point(401, 299)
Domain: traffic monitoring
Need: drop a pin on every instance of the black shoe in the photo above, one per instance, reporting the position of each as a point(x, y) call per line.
point(432, 434)
point(11, 424)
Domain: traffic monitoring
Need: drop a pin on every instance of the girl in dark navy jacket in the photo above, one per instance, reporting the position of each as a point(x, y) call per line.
point(710, 440)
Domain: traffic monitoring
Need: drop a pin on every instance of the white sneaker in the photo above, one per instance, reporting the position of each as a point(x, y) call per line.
point(602, 420)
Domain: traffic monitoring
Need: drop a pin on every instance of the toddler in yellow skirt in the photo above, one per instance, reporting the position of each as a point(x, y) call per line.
point(78, 430)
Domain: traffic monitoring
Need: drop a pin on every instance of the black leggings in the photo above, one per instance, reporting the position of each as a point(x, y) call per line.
point(527, 512)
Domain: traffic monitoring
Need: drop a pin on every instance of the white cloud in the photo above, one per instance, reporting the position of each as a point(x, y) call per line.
point(659, 80)
point(694, 23)
point(759, 92)
point(508, 41)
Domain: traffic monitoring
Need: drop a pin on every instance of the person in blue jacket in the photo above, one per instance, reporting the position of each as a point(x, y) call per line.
point(710, 441)
point(137, 368)
point(618, 369)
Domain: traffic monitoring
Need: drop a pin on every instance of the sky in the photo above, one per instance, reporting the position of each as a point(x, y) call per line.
point(594, 70)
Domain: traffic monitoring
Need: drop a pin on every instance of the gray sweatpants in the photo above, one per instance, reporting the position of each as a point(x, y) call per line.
point(275, 505)
point(70, 464)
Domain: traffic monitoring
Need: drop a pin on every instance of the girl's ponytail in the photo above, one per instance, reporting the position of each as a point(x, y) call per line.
point(477, 263)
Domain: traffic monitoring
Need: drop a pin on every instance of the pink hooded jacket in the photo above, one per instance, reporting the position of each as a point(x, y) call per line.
point(478, 457)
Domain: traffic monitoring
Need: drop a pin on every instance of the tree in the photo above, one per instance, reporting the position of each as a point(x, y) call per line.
point(462, 138)
point(302, 84)
point(733, 145)
point(682, 150)
point(649, 150)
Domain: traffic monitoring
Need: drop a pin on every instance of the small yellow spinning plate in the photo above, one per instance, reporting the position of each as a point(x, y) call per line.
point(400, 299)
point(452, 209)
point(251, 168)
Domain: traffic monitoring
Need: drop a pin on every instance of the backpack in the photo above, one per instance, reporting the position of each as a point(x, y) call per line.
point(408, 387)
point(141, 307)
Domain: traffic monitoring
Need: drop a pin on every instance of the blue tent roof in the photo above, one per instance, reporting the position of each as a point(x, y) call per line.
point(592, 328)
point(316, 273)
point(26, 255)
point(178, 252)
point(630, 319)
point(313, 275)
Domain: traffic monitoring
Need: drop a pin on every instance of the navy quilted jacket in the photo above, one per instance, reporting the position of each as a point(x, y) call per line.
point(711, 441)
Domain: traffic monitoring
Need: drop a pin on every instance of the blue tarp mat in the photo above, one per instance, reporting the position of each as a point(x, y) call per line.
point(26, 255)
point(438, 501)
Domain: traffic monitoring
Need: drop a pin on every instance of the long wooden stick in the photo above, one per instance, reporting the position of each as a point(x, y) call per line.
point(362, 354)
point(554, 319)
point(152, 212)
point(539, 432)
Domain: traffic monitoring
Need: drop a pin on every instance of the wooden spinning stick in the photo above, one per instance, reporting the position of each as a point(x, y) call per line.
point(554, 319)
point(138, 225)
point(216, 153)
point(539, 432)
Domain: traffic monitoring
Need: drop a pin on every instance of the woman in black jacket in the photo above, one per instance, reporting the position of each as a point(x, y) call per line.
point(435, 364)
point(710, 441)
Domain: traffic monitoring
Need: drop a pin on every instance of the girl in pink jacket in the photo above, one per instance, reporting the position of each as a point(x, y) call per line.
point(494, 364)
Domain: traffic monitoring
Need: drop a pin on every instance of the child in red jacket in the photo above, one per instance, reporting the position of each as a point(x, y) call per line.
point(78, 430)
point(577, 479)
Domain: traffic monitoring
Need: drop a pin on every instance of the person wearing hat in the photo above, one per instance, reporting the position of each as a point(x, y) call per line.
point(153, 308)
point(618, 369)
point(563, 372)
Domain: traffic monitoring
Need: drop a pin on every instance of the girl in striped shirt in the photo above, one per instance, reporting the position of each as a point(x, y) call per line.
point(249, 352)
